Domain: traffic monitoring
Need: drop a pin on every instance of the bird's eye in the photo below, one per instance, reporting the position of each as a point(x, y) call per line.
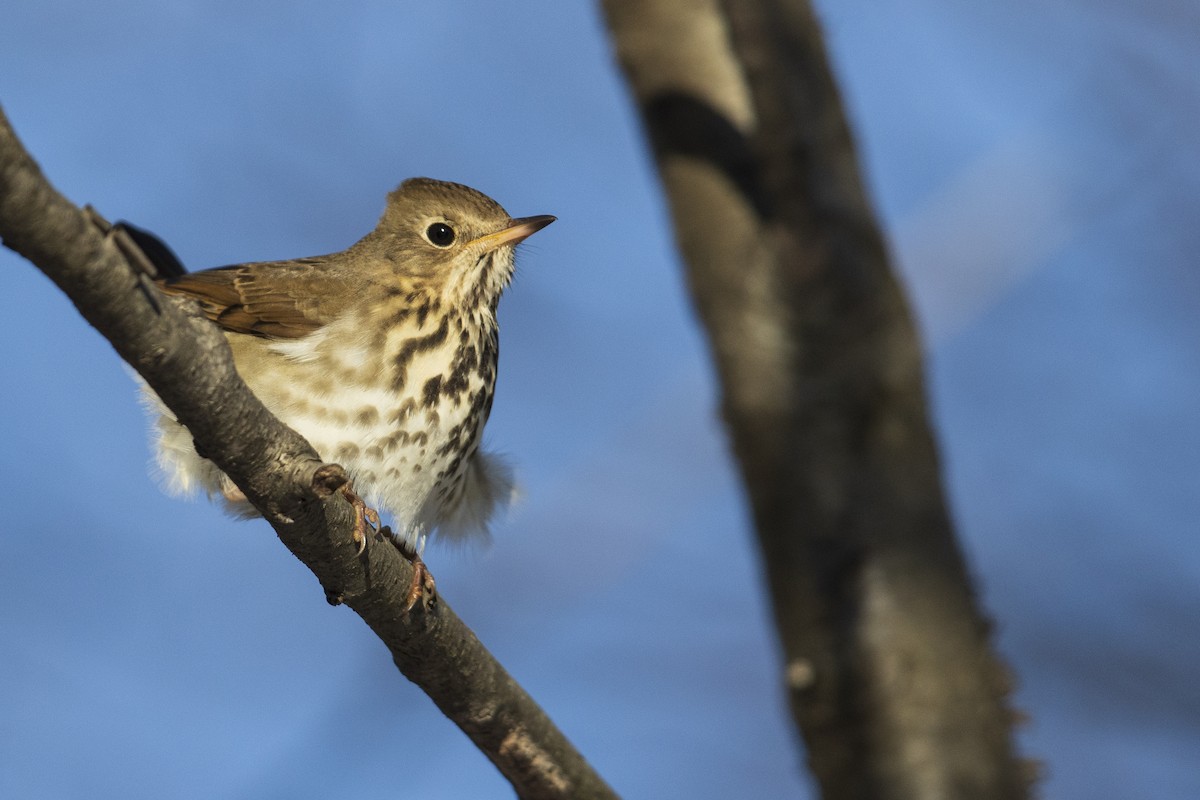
point(440, 234)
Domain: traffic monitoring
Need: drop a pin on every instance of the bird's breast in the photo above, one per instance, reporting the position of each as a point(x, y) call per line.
point(403, 417)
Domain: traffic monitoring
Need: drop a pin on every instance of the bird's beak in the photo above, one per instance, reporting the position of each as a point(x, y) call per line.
point(517, 231)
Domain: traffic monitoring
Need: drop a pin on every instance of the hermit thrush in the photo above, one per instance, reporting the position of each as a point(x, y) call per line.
point(382, 356)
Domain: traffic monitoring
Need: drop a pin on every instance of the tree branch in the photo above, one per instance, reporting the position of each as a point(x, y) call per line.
point(891, 678)
point(188, 364)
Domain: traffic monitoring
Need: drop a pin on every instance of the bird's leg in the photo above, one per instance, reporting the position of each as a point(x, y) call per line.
point(422, 579)
point(330, 478)
point(232, 494)
point(365, 519)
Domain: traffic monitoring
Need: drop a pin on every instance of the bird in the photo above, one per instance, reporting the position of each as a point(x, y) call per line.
point(383, 356)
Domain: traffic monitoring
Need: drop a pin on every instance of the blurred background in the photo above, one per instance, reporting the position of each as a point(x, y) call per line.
point(1035, 167)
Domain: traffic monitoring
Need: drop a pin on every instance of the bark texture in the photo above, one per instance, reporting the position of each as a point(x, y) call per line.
point(187, 362)
point(890, 675)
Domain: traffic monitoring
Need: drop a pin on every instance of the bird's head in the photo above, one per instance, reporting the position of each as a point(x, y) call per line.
point(453, 239)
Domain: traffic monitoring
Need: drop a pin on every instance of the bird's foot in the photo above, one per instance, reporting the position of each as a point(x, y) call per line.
point(423, 584)
point(330, 478)
point(366, 520)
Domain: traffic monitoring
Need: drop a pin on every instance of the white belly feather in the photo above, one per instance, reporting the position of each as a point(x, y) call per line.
point(396, 449)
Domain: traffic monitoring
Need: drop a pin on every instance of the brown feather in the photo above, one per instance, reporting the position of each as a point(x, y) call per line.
point(280, 300)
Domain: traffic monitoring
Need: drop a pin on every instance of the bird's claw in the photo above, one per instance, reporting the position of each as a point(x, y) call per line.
point(422, 583)
point(366, 520)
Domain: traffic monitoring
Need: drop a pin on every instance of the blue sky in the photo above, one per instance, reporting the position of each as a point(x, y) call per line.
point(1034, 166)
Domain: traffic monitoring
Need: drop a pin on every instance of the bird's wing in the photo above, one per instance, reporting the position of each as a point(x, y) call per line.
point(280, 300)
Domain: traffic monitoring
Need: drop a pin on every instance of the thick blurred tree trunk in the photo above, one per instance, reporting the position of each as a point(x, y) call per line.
point(890, 674)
